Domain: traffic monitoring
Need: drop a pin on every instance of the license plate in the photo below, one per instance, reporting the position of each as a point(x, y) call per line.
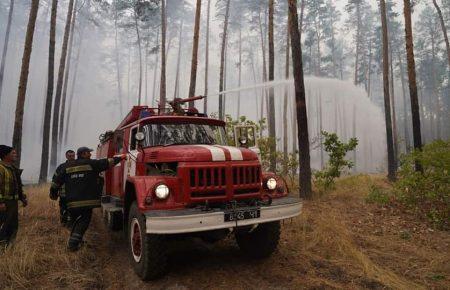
point(239, 215)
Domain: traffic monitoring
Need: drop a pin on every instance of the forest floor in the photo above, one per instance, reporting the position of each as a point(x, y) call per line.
point(339, 242)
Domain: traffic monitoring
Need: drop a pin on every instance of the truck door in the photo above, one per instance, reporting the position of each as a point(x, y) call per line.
point(130, 168)
point(117, 171)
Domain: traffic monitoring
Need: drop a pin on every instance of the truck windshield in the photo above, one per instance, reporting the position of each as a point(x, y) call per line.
point(179, 134)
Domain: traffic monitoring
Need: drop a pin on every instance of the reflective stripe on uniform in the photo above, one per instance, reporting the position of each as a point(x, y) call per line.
point(79, 168)
point(7, 186)
point(83, 203)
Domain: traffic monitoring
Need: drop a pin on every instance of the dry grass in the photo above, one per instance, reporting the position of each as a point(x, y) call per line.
point(39, 255)
point(339, 242)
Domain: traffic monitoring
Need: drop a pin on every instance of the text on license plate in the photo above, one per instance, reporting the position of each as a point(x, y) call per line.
point(242, 215)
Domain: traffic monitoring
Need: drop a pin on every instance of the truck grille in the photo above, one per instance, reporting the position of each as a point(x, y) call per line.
point(207, 182)
point(207, 177)
point(244, 175)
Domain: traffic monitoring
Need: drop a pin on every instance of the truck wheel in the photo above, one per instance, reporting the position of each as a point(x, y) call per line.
point(260, 242)
point(148, 252)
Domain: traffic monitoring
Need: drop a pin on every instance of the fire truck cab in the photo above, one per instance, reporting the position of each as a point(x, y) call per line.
point(182, 179)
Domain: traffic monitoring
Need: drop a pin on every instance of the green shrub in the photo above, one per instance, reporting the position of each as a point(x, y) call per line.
point(427, 193)
point(336, 150)
point(377, 195)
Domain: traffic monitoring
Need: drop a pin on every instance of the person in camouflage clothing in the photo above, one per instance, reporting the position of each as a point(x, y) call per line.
point(10, 192)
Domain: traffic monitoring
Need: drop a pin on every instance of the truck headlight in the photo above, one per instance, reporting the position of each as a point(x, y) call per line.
point(271, 183)
point(162, 191)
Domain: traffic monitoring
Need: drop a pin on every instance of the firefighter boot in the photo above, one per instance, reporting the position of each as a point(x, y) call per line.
point(74, 242)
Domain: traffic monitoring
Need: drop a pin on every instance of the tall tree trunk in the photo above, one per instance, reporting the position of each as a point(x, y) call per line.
point(155, 72)
point(222, 60)
point(23, 81)
point(319, 64)
point(128, 75)
point(405, 110)
point(56, 107)
point(412, 79)
point(176, 91)
point(224, 100)
point(66, 78)
point(162, 86)
point(252, 61)
point(239, 73)
point(146, 71)
point(369, 71)
point(435, 93)
point(138, 35)
point(394, 113)
point(333, 50)
point(205, 103)
point(5, 45)
point(271, 107)
point(195, 52)
point(117, 56)
point(358, 32)
point(75, 74)
point(387, 102)
point(49, 98)
point(263, 51)
point(444, 30)
point(72, 89)
point(294, 108)
point(320, 128)
point(302, 14)
point(354, 136)
point(302, 118)
point(285, 103)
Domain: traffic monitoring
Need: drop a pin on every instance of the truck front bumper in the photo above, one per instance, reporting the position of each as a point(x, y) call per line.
point(197, 220)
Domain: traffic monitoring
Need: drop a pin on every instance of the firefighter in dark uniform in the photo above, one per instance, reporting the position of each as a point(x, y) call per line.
point(81, 181)
point(10, 192)
point(64, 216)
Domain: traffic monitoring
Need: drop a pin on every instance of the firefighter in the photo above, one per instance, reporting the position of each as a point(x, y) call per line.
point(10, 192)
point(83, 193)
point(64, 216)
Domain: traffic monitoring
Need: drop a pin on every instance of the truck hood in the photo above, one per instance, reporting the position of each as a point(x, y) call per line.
point(198, 153)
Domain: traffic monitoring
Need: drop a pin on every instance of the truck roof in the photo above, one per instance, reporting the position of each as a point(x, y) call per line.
point(144, 113)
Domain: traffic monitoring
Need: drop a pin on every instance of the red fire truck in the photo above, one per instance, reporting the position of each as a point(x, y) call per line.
point(182, 179)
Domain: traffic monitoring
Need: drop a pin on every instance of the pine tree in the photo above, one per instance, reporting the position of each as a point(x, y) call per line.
point(194, 60)
point(48, 101)
point(302, 119)
point(23, 81)
point(271, 107)
point(222, 59)
point(56, 111)
point(5, 45)
point(162, 86)
point(387, 103)
point(417, 137)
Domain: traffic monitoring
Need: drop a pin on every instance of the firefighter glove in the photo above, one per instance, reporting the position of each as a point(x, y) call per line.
point(24, 200)
point(53, 195)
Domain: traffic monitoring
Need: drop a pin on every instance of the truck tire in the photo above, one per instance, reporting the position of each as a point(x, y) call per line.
point(260, 242)
point(148, 252)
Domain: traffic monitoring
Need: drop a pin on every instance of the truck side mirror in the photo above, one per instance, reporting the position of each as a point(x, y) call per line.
point(245, 136)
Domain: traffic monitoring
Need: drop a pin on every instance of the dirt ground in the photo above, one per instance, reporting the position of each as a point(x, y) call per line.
point(339, 242)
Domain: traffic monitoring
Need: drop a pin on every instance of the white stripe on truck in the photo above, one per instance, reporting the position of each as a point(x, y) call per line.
point(217, 154)
point(236, 153)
